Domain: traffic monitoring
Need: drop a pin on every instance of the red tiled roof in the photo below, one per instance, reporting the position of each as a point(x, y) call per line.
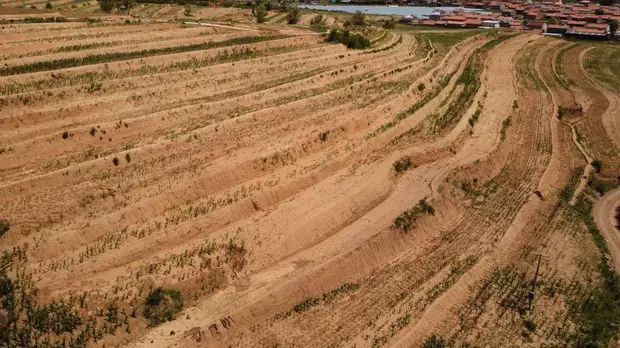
point(587, 31)
point(597, 25)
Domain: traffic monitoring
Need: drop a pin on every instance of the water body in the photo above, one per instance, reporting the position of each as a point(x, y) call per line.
point(418, 11)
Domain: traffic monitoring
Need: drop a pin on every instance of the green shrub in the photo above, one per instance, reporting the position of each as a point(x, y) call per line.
point(402, 165)
point(323, 136)
point(162, 305)
point(4, 227)
point(529, 325)
point(561, 112)
point(106, 5)
point(598, 165)
point(505, 124)
point(115, 161)
point(306, 304)
point(358, 18)
point(351, 40)
point(260, 12)
point(434, 341)
point(293, 14)
point(406, 220)
point(600, 186)
point(48, 5)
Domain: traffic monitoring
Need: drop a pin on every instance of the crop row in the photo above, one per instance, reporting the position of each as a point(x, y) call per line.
point(116, 56)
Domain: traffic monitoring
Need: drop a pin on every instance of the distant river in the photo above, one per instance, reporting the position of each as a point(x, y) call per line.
point(418, 11)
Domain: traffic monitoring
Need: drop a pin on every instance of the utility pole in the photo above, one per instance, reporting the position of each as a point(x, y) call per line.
point(533, 291)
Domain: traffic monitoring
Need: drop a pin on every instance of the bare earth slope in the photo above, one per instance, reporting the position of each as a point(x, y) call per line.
point(294, 192)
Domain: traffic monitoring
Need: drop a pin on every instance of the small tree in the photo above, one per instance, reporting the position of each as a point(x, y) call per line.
point(188, 10)
point(613, 27)
point(293, 14)
point(106, 5)
point(260, 12)
point(358, 18)
point(597, 165)
point(128, 4)
point(48, 5)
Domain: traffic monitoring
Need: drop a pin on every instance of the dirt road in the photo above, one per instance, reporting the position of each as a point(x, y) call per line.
point(604, 212)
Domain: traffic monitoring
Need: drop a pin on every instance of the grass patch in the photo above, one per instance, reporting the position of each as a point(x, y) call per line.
point(507, 122)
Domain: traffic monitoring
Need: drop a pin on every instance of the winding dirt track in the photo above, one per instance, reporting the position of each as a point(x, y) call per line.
point(604, 212)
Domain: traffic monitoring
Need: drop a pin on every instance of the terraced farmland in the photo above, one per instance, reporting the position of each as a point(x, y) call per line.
point(170, 184)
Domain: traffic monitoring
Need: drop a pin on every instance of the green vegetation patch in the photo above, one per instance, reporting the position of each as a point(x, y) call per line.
point(349, 39)
point(405, 222)
point(402, 165)
point(162, 305)
point(4, 227)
